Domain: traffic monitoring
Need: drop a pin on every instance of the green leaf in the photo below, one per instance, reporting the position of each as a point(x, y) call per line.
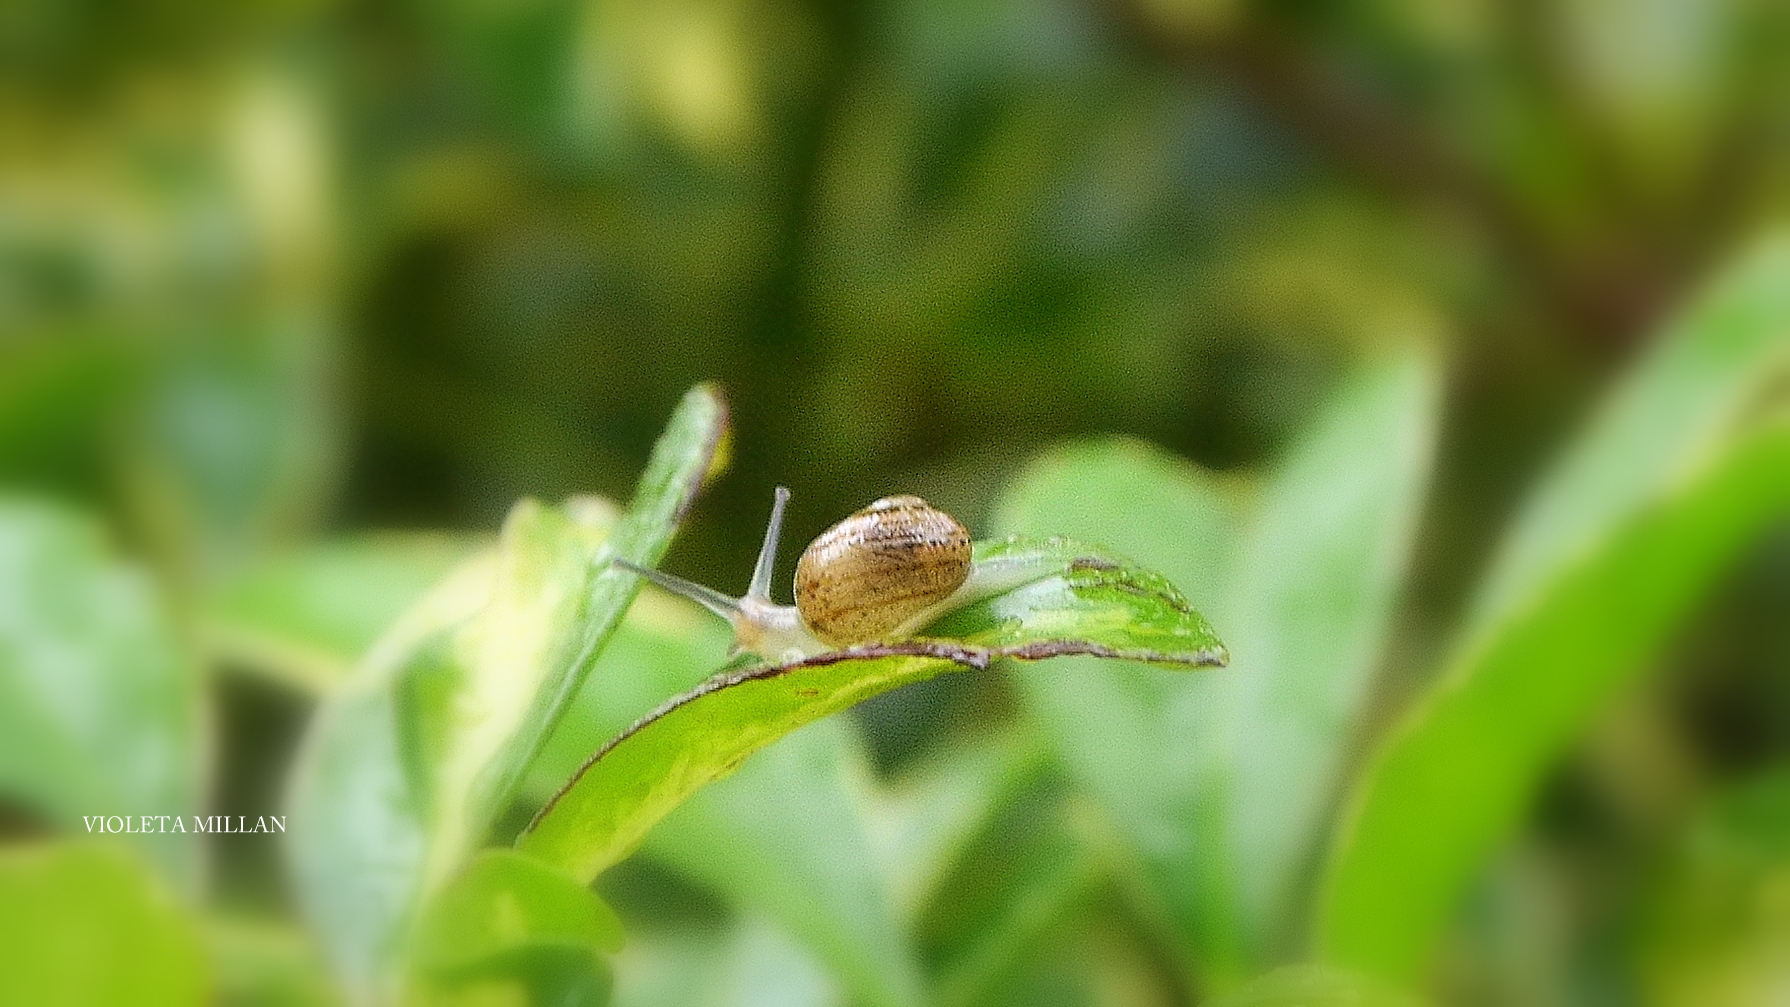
point(1321, 568)
point(87, 923)
point(922, 822)
point(1710, 376)
point(1007, 895)
point(358, 836)
point(545, 973)
point(1221, 784)
point(1677, 473)
point(750, 963)
point(686, 454)
point(1113, 725)
point(663, 647)
point(305, 616)
point(1138, 500)
point(1314, 986)
point(768, 969)
point(457, 715)
point(99, 701)
point(785, 837)
point(1083, 602)
point(406, 767)
point(505, 901)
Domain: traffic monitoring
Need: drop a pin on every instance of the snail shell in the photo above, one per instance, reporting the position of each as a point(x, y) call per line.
point(878, 568)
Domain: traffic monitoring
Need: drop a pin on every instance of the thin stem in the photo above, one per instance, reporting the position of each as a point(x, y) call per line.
point(767, 556)
point(709, 598)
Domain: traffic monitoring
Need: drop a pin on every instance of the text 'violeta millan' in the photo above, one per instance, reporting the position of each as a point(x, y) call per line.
point(175, 823)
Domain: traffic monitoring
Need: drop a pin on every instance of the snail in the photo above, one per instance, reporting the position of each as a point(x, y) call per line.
point(880, 574)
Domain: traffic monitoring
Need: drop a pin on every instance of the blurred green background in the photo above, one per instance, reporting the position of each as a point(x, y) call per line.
point(277, 272)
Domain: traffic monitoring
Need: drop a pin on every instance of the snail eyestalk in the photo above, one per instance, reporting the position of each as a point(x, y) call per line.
point(760, 587)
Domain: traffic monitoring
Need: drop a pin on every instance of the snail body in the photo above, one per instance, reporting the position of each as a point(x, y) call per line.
point(879, 574)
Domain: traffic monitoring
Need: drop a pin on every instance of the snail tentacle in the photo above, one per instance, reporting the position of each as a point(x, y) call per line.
point(767, 553)
point(725, 606)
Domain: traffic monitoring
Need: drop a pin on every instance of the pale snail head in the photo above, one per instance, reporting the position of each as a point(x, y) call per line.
point(880, 574)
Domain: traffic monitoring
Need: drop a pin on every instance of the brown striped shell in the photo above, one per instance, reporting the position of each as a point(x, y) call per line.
point(878, 568)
